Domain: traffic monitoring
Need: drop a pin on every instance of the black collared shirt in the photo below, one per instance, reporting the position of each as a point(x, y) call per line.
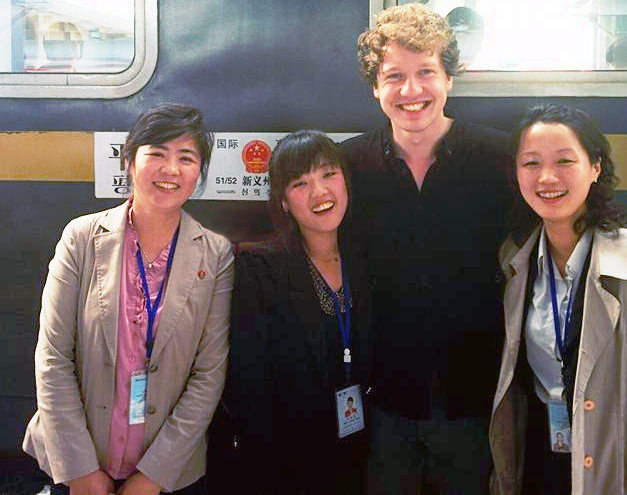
point(433, 254)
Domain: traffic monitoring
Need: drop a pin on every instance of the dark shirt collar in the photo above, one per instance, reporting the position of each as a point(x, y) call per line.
point(443, 151)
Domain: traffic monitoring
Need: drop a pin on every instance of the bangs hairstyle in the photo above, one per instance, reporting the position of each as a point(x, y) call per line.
point(167, 122)
point(294, 155)
point(414, 27)
point(602, 210)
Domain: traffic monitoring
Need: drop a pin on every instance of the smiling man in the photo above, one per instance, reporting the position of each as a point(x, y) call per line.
point(430, 200)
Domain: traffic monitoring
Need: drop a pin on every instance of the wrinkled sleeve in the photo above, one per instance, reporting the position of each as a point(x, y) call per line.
point(68, 443)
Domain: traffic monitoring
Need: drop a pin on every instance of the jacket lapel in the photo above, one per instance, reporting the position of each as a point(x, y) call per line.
point(108, 249)
point(187, 259)
point(601, 305)
point(516, 268)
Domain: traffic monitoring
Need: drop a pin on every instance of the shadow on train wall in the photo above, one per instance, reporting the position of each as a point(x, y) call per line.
point(267, 66)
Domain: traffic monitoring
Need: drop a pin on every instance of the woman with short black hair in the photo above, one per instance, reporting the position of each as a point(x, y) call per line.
point(133, 337)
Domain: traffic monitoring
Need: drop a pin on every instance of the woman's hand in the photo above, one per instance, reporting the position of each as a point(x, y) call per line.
point(139, 484)
point(96, 483)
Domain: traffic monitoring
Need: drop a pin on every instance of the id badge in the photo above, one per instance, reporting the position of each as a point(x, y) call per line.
point(559, 426)
point(350, 411)
point(137, 399)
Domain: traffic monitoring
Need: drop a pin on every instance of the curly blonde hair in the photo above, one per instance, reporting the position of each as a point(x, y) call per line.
point(413, 26)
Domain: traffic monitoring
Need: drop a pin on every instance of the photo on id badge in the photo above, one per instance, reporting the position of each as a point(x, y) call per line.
point(350, 411)
point(559, 426)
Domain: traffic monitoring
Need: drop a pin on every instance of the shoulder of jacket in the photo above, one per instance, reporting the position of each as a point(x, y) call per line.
point(507, 251)
point(612, 253)
point(218, 241)
point(89, 224)
point(270, 249)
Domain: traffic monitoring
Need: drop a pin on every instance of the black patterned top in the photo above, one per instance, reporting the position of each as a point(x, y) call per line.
point(323, 290)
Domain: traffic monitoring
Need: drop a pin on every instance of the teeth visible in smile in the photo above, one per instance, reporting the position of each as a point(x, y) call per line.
point(322, 207)
point(551, 194)
point(167, 185)
point(414, 107)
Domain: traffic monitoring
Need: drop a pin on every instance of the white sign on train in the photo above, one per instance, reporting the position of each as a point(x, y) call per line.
point(238, 169)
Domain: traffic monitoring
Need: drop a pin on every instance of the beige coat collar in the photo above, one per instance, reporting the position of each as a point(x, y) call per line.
point(108, 248)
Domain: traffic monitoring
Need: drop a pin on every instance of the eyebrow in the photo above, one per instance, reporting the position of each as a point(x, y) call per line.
point(183, 150)
point(537, 152)
point(192, 151)
point(396, 68)
point(327, 163)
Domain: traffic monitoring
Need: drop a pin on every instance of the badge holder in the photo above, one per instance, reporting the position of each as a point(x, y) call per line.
point(559, 427)
point(137, 399)
point(350, 411)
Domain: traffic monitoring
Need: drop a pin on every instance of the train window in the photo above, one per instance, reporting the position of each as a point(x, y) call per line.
point(76, 48)
point(536, 47)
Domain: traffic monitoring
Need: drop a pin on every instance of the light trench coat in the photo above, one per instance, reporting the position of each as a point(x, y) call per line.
point(599, 428)
point(75, 358)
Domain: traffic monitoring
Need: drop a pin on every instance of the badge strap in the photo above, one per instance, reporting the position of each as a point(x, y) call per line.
point(150, 309)
point(561, 343)
point(344, 323)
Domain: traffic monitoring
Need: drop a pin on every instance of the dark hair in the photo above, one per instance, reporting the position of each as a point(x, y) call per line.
point(295, 155)
point(602, 210)
point(166, 122)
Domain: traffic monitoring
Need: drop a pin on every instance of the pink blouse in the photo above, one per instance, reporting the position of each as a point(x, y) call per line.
point(126, 442)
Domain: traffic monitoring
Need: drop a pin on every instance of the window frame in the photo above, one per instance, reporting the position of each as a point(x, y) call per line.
point(601, 83)
point(96, 85)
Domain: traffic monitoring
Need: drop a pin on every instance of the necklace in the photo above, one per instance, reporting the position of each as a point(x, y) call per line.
point(334, 258)
point(149, 261)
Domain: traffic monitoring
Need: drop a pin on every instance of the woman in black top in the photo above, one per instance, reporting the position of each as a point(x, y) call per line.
point(296, 359)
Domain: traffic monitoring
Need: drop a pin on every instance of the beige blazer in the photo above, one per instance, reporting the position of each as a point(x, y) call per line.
point(599, 429)
point(76, 352)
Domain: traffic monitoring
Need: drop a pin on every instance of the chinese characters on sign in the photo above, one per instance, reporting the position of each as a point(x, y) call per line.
point(238, 167)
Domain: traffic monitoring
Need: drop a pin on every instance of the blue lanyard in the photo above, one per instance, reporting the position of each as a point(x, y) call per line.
point(561, 343)
point(344, 323)
point(150, 309)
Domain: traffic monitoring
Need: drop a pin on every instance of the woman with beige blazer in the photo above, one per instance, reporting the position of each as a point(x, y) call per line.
point(559, 422)
point(133, 339)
